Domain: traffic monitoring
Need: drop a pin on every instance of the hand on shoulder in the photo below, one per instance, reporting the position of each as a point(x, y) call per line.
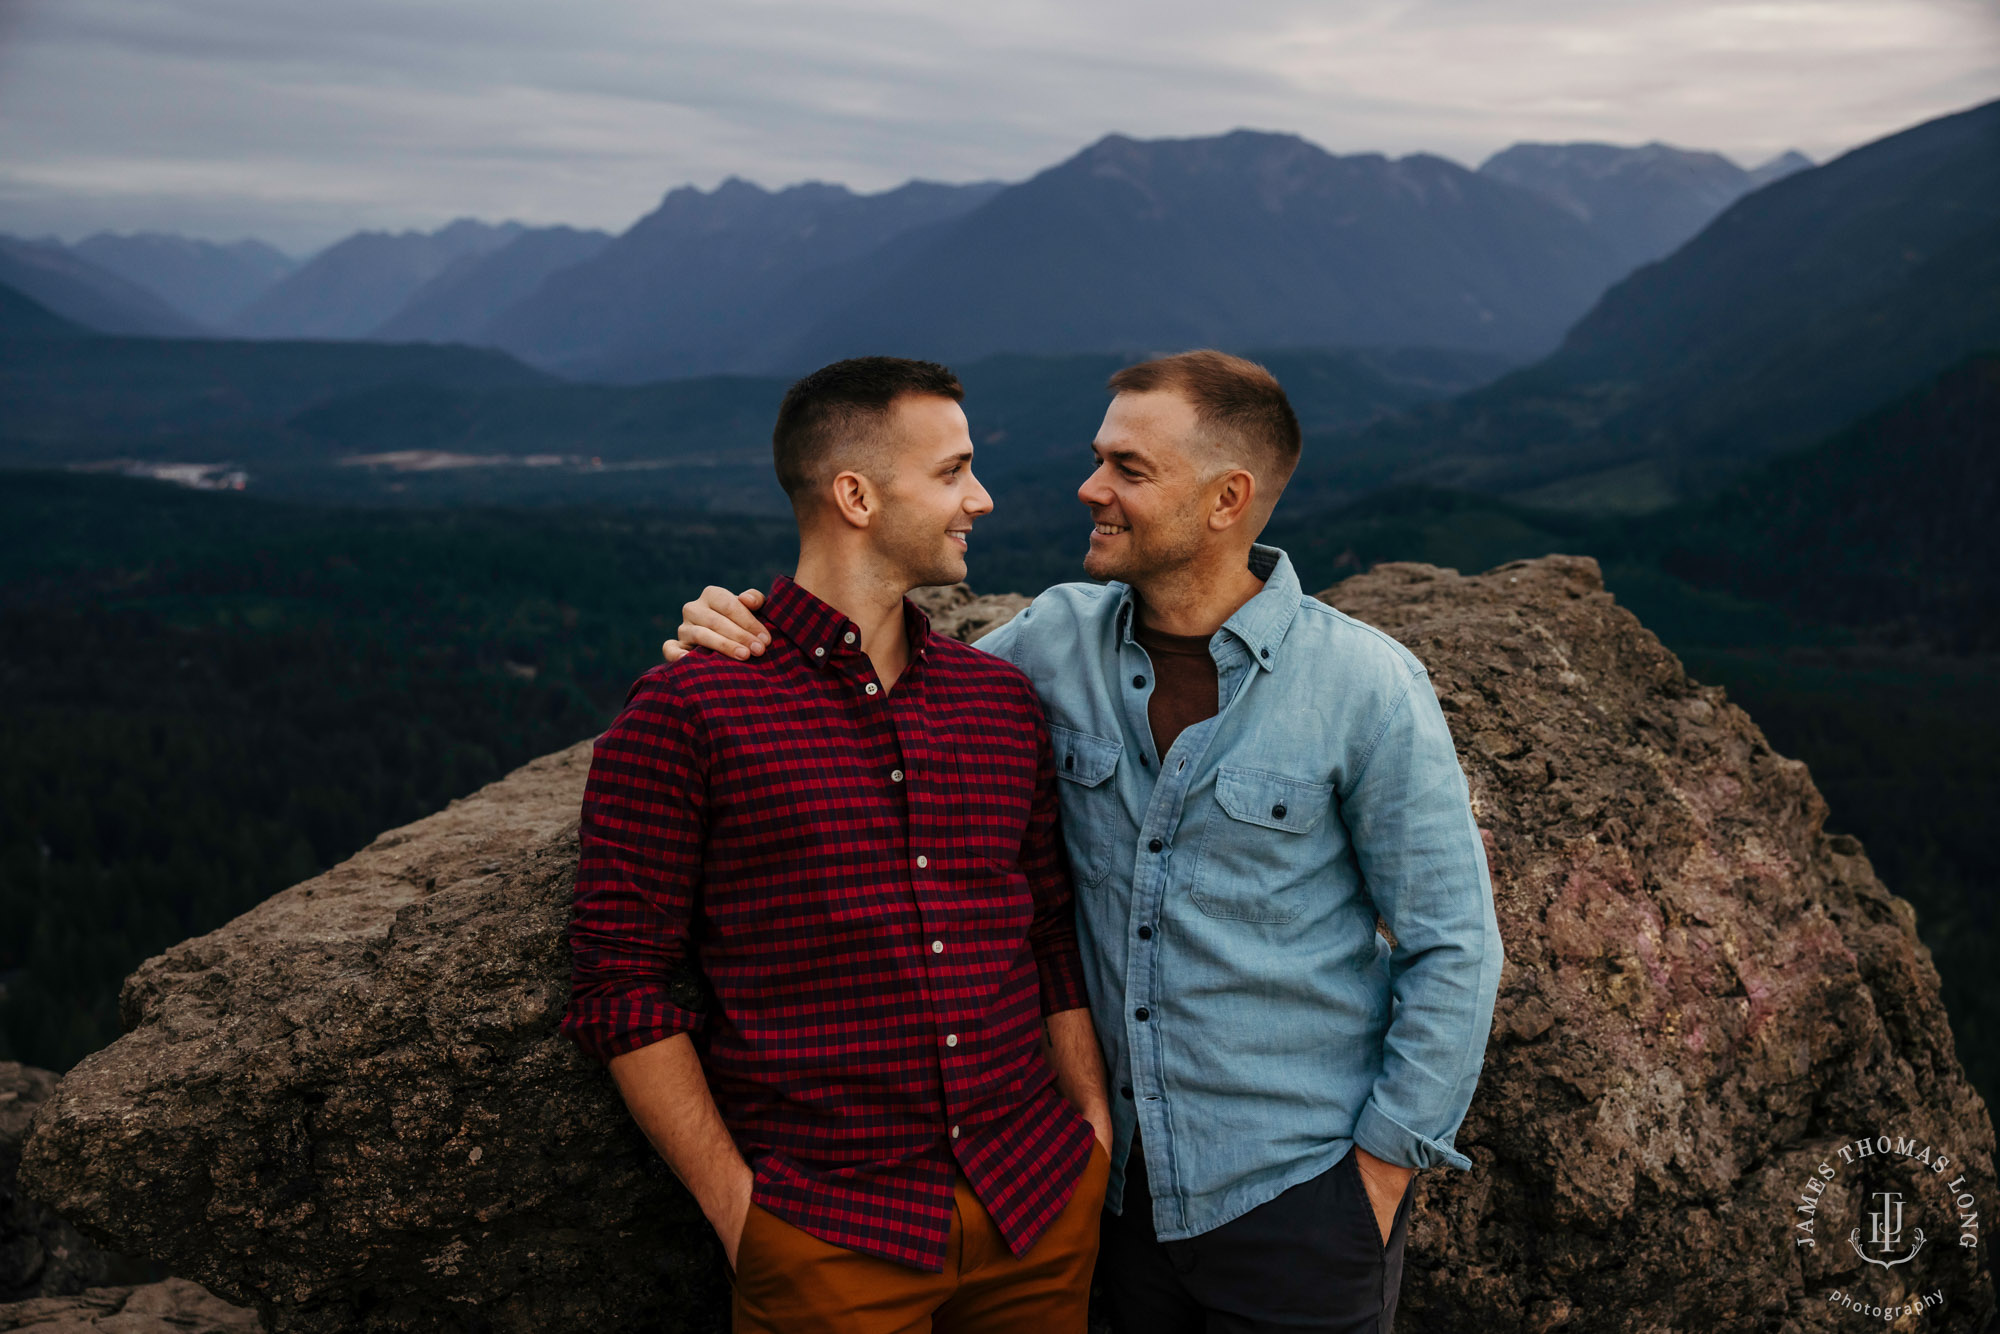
point(723, 621)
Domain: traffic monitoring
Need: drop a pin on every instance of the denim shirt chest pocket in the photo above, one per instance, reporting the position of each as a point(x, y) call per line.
point(1260, 836)
point(1084, 764)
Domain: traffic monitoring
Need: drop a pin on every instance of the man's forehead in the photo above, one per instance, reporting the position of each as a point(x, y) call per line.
point(932, 424)
point(1155, 422)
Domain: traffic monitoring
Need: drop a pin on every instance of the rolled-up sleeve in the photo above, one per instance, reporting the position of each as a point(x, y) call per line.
point(1421, 856)
point(1052, 936)
point(638, 872)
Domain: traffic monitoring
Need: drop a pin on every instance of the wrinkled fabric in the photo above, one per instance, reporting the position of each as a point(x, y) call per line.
point(1254, 1022)
point(866, 887)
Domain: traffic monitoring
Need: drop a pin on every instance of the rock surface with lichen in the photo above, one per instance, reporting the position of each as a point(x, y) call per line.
point(350, 1108)
point(54, 1281)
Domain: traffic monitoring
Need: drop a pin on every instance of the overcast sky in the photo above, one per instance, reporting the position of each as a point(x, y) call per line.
point(301, 120)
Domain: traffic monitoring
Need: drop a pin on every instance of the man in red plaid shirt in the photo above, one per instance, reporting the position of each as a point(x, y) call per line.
point(823, 929)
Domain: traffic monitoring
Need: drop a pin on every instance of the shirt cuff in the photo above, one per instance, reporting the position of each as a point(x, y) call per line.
point(1393, 1142)
point(608, 1026)
point(1061, 973)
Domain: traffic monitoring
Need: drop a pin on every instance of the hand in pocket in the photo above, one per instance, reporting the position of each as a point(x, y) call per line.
point(1385, 1184)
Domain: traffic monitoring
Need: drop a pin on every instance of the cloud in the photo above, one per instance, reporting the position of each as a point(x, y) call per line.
point(302, 121)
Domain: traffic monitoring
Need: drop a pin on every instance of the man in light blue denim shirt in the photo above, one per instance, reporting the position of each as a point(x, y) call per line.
point(1231, 863)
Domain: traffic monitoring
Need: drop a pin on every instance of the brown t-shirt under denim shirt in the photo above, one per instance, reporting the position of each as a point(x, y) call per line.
point(1184, 682)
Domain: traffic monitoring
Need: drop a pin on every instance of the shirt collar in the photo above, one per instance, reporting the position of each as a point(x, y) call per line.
point(1260, 624)
point(823, 633)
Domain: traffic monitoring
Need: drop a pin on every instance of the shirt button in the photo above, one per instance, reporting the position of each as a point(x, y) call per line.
point(1145, 933)
point(1155, 846)
point(847, 638)
point(1278, 811)
point(1126, 1091)
point(937, 947)
point(954, 1132)
point(951, 1039)
point(1142, 1014)
point(1139, 681)
point(871, 687)
point(819, 653)
point(895, 775)
point(922, 862)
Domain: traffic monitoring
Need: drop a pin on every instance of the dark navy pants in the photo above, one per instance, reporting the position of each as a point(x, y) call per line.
point(1312, 1259)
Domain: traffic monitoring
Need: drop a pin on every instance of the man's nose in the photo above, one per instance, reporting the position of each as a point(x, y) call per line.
point(978, 501)
point(1094, 492)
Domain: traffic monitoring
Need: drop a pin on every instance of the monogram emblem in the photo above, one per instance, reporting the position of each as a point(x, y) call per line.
point(1885, 1232)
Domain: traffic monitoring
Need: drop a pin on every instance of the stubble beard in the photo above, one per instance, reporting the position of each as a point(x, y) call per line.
point(1170, 543)
point(925, 555)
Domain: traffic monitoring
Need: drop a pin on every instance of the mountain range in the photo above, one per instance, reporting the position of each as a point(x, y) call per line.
point(205, 281)
point(460, 303)
point(85, 294)
point(348, 290)
point(1804, 305)
point(1272, 241)
point(1641, 203)
point(1250, 238)
point(705, 282)
point(1801, 306)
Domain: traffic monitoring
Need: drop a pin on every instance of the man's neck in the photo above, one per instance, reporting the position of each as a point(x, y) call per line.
point(866, 595)
point(1196, 599)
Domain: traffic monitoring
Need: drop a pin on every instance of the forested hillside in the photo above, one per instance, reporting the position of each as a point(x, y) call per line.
point(210, 697)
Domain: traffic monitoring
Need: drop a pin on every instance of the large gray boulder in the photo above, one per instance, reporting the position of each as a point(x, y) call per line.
point(349, 1107)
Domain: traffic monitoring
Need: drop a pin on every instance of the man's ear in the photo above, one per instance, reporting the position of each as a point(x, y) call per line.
point(855, 499)
point(1235, 497)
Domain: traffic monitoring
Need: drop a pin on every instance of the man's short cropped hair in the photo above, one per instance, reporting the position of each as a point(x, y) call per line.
point(1238, 403)
point(830, 418)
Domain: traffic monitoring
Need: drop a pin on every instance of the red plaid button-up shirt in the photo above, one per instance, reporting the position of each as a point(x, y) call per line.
point(857, 900)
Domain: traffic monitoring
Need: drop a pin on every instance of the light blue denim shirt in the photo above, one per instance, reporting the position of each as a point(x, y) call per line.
point(1227, 893)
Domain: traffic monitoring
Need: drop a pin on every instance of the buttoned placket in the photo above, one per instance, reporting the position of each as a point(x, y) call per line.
point(1173, 774)
point(924, 833)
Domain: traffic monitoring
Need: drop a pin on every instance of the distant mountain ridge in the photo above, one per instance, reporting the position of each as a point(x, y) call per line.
point(351, 288)
point(708, 281)
point(1270, 241)
point(1643, 203)
point(84, 294)
point(203, 280)
point(21, 316)
point(1804, 305)
point(1779, 167)
point(1249, 239)
point(460, 304)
